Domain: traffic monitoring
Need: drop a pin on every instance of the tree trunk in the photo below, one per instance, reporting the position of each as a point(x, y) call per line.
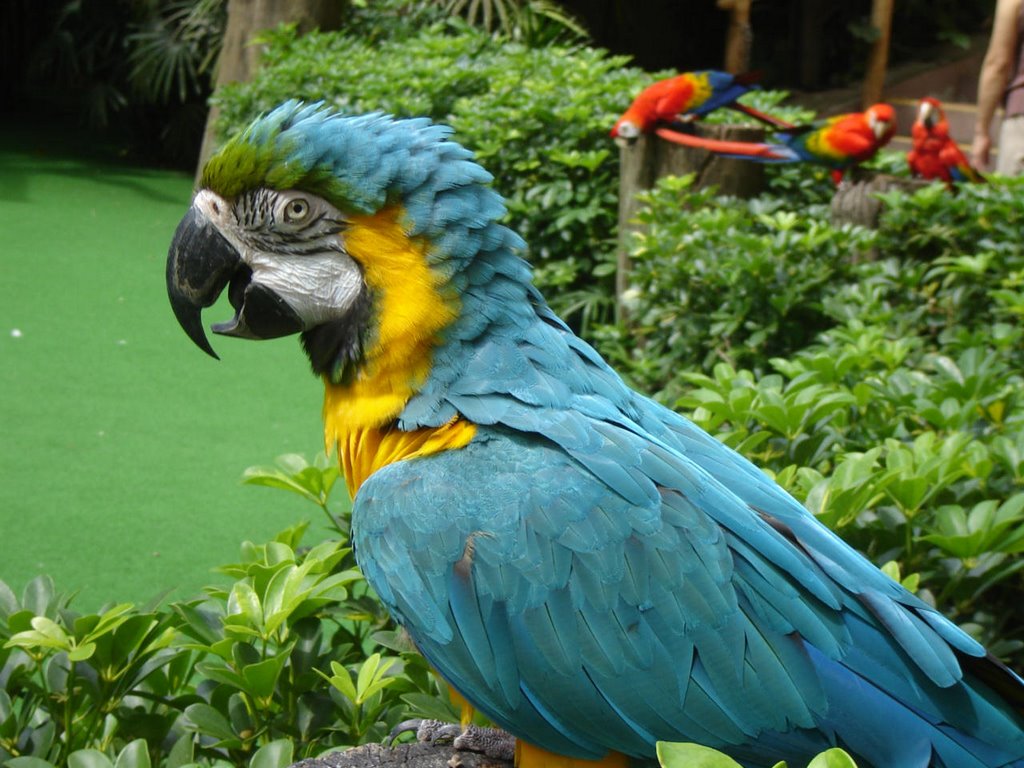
point(878, 58)
point(650, 158)
point(738, 37)
point(239, 56)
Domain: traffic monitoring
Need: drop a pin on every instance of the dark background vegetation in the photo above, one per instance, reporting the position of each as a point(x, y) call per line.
point(140, 71)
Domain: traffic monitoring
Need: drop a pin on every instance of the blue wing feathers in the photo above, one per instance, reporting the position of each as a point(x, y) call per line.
point(586, 558)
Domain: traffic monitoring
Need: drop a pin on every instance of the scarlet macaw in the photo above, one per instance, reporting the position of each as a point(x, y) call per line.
point(837, 142)
point(585, 566)
point(934, 154)
point(691, 94)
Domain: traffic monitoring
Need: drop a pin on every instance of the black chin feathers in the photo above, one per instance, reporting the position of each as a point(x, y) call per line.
point(335, 349)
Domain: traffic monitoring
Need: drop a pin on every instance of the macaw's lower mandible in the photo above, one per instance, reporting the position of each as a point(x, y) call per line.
point(586, 567)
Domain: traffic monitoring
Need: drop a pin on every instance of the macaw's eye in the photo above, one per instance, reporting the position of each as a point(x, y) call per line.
point(295, 211)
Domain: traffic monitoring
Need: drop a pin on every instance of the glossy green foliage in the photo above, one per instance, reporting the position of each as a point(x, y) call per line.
point(237, 676)
point(730, 279)
point(696, 756)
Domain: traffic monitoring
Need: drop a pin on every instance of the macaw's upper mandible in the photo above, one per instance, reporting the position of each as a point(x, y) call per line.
point(585, 566)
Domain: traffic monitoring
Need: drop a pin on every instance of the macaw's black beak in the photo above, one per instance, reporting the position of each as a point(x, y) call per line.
point(200, 264)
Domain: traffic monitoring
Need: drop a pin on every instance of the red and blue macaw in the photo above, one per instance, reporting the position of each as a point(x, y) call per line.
point(689, 95)
point(934, 154)
point(838, 142)
point(585, 566)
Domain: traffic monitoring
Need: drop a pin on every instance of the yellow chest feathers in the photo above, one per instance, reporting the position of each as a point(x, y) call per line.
point(362, 452)
point(411, 311)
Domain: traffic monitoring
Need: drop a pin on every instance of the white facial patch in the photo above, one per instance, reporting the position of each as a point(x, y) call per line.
point(319, 287)
point(305, 264)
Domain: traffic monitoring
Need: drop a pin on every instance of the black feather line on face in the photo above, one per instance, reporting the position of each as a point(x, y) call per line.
point(336, 348)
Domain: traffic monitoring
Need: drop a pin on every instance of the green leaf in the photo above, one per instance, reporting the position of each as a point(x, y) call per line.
point(672, 755)
point(221, 674)
point(8, 601)
point(82, 652)
point(182, 752)
point(88, 758)
point(341, 680)
point(371, 677)
point(134, 755)
point(208, 720)
point(245, 603)
point(261, 678)
point(38, 595)
point(110, 620)
point(833, 758)
point(431, 707)
point(276, 754)
point(28, 762)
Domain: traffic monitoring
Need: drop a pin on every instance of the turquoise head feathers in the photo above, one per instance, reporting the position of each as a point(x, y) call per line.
point(361, 164)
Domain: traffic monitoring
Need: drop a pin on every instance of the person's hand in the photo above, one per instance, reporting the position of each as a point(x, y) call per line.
point(981, 147)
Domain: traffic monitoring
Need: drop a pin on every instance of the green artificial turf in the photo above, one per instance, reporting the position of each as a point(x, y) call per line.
point(121, 444)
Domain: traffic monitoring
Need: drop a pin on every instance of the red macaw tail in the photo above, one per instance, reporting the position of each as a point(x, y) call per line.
point(969, 173)
point(764, 117)
point(747, 150)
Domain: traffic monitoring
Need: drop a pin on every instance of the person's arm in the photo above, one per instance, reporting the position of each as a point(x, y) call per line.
point(995, 73)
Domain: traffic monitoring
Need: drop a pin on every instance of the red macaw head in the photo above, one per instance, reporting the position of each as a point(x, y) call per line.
point(882, 122)
point(929, 112)
point(628, 127)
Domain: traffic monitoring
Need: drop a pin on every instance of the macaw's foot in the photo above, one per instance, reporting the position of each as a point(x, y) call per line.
point(490, 742)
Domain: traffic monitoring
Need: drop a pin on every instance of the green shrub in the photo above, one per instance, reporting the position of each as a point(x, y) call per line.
point(722, 279)
point(294, 656)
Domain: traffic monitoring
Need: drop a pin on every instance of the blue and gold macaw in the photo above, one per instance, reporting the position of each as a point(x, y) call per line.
point(586, 567)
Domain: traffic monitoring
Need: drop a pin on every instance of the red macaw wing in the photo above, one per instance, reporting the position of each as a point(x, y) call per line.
point(953, 158)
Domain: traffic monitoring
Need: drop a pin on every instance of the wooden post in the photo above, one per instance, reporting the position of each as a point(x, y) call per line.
point(856, 201)
point(878, 58)
point(738, 37)
point(649, 158)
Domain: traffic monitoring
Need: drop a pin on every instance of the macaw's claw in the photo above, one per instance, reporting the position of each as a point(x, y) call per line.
point(490, 742)
point(427, 731)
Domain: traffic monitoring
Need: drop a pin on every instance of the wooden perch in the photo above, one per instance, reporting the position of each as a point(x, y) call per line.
point(403, 756)
point(855, 200)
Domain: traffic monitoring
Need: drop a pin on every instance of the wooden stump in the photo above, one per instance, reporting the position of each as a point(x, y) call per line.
point(855, 203)
point(650, 158)
point(403, 756)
